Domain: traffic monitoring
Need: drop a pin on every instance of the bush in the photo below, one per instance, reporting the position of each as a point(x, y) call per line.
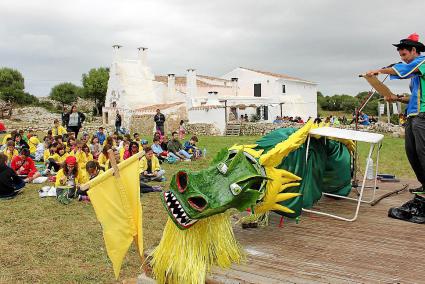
point(48, 106)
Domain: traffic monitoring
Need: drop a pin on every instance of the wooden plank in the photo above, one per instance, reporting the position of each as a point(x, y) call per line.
point(374, 249)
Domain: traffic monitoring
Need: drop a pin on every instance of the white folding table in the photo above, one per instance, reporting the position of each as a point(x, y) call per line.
point(373, 139)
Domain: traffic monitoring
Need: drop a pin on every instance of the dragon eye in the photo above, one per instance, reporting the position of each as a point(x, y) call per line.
point(181, 179)
point(222, 168)
point(235, 189)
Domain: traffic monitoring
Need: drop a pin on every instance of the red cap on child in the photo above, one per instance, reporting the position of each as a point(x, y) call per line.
point(71, 160)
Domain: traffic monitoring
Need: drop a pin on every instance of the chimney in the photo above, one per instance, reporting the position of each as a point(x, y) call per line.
point(191, 86)
point(142, 55)
point(171, 85)
point(116, 56)
point(235, 87)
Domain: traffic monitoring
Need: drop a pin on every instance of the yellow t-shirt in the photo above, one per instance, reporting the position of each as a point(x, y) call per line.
point(33, 142)
point(143, 164)
point(102, 159)
point(79, 179)
point(46, 155)
point(59, 159)
point(8, 135)
point(82, 159)
point(10, 154)
point(60, 130)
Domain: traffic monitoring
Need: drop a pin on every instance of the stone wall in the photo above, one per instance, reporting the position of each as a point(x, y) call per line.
point(41, 120)
point(145, 125)
point(202, 129)
point(259, 129)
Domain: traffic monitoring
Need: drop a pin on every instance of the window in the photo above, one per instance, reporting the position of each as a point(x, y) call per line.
point(283, 89)
point(257, 90)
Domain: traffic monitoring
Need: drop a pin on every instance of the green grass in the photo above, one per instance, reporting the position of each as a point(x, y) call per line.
point(44, 241)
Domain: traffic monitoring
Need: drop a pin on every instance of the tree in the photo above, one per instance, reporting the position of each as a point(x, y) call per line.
point(95, 85)
point(11, 85)
point(65, 93)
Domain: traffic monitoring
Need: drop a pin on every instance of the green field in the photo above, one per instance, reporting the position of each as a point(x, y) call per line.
point(44, 241)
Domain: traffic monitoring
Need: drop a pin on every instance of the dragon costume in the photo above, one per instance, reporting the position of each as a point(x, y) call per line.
point(271, 175)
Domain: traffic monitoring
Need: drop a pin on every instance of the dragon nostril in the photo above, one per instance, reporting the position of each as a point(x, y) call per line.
point(197, 202)
point(181, 179)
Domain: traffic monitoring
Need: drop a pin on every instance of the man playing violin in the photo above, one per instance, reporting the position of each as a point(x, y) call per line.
point(413, 68)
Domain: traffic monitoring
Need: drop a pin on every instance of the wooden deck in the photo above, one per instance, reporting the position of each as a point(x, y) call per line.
point(373, 249)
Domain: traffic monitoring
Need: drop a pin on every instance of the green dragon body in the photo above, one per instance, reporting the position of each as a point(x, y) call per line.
point(272, 175)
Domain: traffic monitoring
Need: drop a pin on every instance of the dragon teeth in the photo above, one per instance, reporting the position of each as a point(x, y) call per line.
point(177, 210)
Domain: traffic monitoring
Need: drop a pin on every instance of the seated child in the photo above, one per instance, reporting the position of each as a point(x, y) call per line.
point(54, 162)
point(32, 143)
point(68, 176)
point(149, 167)
point(58, 129)
point(158, 151)
point(92, 170)
point(39, 152)
point(83, 156)
point(10, 151)
point(125, 151)
point(134, 148)
point(190, 147)
point(95, 147)
point(23, 165)
point(10, 183)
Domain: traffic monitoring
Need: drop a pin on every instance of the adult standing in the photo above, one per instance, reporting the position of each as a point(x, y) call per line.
point(64, 115)
point(413, 68)
point(159, 119)
point(74, 120)
point(118, 122)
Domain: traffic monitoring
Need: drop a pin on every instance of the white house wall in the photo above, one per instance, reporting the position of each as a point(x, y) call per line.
point(215, 116)
point(300, 98)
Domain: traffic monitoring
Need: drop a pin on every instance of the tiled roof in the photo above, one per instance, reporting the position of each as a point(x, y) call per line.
point(181, 80)
point(213, 78)
point(283, 76)
point(158, 106)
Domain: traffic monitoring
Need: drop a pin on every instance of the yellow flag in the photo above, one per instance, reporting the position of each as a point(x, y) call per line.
point(116, 201)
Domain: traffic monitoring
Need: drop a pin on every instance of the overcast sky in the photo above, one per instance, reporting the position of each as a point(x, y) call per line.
point(326, 41)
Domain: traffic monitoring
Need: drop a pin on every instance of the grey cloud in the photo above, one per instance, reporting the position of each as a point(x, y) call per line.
point(329, 42)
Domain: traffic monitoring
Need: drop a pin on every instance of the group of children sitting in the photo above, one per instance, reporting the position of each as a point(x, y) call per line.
point(70, 162)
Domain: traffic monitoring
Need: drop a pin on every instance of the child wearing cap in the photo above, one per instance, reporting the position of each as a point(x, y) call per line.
point(69, 174)
point(23, 165)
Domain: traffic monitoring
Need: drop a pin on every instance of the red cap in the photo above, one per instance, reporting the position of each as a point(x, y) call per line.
point(413, 37)
point(71, 160)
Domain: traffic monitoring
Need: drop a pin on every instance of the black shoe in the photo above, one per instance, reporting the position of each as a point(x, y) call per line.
point(411, 211)
point(418, 189)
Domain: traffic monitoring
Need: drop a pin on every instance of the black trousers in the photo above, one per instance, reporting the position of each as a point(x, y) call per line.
point(415, 145)
point(74, 129)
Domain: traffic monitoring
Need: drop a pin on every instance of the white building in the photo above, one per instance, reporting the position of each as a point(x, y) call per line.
point(133, 89)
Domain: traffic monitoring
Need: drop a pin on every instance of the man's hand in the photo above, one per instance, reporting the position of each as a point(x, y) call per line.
point(391, 99)
point(372, 73)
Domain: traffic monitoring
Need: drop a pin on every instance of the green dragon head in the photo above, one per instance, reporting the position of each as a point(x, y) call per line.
point(243, 176)
point(237, 181)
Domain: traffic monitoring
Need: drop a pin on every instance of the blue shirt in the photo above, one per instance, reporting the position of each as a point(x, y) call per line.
point(365, 119)
point(101, 137)
point(157, 149)
point(417, 83)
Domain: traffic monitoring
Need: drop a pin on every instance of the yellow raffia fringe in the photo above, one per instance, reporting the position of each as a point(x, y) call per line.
point(186, 256)
point(275, 156)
